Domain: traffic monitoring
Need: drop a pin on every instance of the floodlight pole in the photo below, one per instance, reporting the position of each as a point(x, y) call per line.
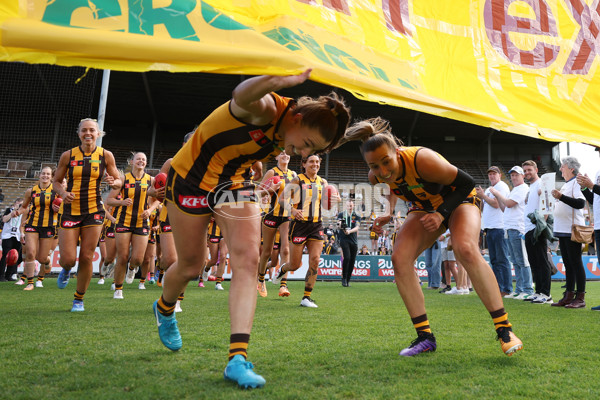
point(154, 119)
point(102, 105)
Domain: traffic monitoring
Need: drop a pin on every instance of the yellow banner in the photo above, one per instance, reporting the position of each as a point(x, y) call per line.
point(522, 66)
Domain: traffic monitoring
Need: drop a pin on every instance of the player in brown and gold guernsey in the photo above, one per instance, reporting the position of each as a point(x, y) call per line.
point(132, 227)
point(166, 253)
point(82, 210)
point(306, 228)
point(40, 226)
point(440, 196)
point(210, 174)
point(276, 220)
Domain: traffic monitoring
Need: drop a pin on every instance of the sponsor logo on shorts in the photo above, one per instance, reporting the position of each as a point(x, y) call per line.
point(70, 224)
point(29, 229)
point(121, 229)
point(269, 222)
point(144, 230)
point(299, 239)
point(110, 234)
point(99, 217)
point(166, 228)
point(193, 201)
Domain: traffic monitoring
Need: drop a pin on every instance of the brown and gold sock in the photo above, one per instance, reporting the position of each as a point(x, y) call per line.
point(164, 307)
point(500, 318)
point(238, 345)
point(421, 324)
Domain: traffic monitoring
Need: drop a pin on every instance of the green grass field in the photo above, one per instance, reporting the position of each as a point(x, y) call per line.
point(346, 349)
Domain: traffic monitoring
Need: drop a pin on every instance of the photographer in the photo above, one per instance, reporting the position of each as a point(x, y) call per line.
point(348, 223)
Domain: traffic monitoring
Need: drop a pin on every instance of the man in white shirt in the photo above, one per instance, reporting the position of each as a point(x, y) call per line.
point(492, 223)
point(513, 207)
point(537, 248)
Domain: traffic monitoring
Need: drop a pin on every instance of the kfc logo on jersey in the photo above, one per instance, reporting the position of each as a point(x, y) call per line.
point(299, 239)
point(193, 201)
point(77, 163)
point(269, 222)
point(259, 137)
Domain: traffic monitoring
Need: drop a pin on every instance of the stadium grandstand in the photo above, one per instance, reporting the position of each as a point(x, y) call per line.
point(41, 106)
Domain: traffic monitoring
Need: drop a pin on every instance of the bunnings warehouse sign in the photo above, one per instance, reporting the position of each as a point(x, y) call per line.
point(379, 268)
point(365, 267)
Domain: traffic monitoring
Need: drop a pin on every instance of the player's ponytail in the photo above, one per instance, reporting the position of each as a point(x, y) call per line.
point(372, 133)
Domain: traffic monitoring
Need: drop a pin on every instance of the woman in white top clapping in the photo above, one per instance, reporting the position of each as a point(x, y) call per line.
point(568, 211)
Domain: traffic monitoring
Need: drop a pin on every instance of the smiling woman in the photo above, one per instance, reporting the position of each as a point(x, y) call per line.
point(82, 211)
point(255, 125)
point(440, 196)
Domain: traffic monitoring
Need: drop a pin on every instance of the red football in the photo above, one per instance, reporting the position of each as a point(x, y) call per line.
point(330, 191)
point(274, 180)
point(12, 257)
point(160, 180)
point(57, 201)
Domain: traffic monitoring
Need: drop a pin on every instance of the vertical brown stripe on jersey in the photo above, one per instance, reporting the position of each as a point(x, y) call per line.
point(32, 213)
point(135, 207)
point(302, 180)
point(86, 177)
point(122, 212)
point(67, 207)
point(43, 210)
